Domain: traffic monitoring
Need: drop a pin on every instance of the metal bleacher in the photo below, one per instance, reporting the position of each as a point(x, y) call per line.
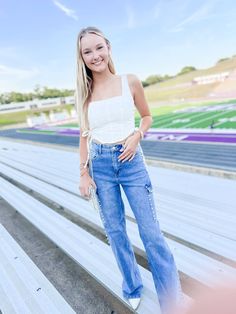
point(196, 214)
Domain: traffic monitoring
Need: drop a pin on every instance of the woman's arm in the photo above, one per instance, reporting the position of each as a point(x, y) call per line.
point(146, 118)
point(83, 149)
point(140, 103)
point(83, 152)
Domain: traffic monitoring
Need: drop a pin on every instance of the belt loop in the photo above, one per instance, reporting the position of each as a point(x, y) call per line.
point(100, 148)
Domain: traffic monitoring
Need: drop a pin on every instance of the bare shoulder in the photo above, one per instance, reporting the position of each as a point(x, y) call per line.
point(134, 83)
point(137, 90)
point(132, 79)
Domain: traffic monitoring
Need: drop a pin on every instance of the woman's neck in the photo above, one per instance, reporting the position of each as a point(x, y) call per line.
point(102, 78)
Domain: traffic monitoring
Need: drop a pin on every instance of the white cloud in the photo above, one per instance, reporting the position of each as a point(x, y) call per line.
point(201, 14)
point(131, 23)
point(67, 11)
point(156, 11)
point(137, 19)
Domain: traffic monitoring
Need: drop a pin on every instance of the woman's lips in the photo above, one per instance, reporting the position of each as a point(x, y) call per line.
point(98, 63)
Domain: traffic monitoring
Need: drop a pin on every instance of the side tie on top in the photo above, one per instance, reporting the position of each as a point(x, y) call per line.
point(89, 140)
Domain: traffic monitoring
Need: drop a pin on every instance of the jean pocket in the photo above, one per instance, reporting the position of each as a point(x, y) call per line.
point(137, 153)
point(133, 158)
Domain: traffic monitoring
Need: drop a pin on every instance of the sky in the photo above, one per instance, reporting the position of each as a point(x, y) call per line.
point(38, 38)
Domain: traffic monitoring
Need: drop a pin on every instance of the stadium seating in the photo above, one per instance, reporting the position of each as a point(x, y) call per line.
point(23, 287)
point(197, 222)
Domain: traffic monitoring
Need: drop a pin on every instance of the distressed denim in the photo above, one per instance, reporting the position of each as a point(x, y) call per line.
point(109, 174)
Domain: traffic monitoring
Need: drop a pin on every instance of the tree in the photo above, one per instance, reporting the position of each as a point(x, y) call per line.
point(221, 60)
point(144, 83)
point(152, 79)
point(186, 69)
point(39, 92)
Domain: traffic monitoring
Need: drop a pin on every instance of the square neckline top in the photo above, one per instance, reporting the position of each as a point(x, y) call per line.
point(114, 97)
point(126, 108)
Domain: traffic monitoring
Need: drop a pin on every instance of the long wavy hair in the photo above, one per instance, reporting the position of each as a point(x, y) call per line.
point(84, 79)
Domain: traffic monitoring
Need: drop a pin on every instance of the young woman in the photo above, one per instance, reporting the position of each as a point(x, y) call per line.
point(110, 144)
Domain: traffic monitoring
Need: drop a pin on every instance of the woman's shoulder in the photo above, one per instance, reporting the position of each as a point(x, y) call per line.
point(132, 78)
point(134, 83)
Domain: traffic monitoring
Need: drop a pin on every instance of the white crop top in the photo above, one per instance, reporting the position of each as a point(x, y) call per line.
point(111, 120)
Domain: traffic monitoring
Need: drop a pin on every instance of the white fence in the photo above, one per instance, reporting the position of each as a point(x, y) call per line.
point(37, 104)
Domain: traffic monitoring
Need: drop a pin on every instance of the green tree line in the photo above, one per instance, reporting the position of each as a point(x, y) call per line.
point(45, 92)
point(38, 93)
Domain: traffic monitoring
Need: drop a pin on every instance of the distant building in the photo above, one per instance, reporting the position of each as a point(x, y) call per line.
point(208, 79)
point(36, 104)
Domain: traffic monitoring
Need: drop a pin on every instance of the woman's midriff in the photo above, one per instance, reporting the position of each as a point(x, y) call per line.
point(120, 142)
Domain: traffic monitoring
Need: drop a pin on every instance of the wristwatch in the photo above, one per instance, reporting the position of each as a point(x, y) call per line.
point(138, 130)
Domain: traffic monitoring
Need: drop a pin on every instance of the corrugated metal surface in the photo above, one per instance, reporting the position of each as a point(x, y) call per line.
point(84, 248)
point(23, 287)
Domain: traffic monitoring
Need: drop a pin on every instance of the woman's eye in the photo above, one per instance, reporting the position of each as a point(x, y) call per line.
point(89, 51)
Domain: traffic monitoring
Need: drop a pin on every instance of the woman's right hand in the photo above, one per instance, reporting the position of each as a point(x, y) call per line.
point(85, 182)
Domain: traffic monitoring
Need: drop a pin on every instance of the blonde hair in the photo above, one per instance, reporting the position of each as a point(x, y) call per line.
point(84, 78)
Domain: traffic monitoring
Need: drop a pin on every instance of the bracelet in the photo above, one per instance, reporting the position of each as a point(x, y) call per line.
point(140, 131)
point(82, 165)
point(83, 173)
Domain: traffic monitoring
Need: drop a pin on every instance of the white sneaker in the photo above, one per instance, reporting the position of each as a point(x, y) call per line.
point(134, 302)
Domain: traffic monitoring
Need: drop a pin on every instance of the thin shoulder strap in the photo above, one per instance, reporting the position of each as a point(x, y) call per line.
point(126, 88)
point(125, 85)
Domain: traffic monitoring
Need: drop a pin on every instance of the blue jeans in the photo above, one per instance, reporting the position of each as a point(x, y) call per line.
point(108, 174)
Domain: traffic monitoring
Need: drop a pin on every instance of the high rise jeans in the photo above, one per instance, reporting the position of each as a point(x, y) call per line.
point(108, 174)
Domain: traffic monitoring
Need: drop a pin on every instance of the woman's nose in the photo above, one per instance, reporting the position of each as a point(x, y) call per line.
point(95, 56)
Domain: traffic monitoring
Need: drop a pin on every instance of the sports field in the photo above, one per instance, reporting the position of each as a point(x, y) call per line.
point(217, 115)
point(220, 116)
point(215, 123)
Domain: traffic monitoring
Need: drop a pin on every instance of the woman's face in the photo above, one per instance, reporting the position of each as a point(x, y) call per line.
point(95, 52)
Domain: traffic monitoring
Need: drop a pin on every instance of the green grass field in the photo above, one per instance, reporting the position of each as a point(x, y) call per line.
point(195, 120)
point(164, 116)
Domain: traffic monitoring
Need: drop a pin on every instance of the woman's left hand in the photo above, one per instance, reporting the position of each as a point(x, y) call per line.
point(129, 147)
